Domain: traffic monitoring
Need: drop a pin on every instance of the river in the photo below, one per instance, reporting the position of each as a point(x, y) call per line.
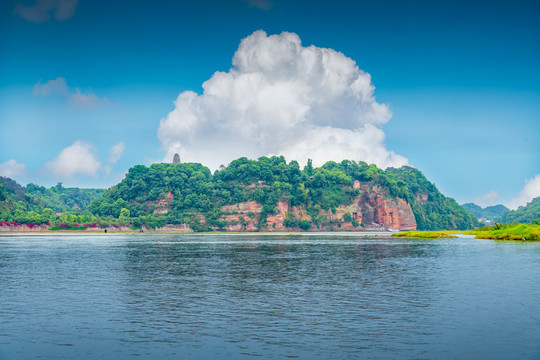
point(238, 296)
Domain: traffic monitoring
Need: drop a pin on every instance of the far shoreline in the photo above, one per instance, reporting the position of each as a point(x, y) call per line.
point(221, 233)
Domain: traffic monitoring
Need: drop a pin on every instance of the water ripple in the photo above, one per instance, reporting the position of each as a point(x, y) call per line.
point(274, 296)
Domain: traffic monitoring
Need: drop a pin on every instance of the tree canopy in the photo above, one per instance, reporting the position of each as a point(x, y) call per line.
point(525, 214)
point(182, 193)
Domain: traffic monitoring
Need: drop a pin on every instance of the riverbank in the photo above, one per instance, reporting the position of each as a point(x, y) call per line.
point(523, 232)
point(220, 233)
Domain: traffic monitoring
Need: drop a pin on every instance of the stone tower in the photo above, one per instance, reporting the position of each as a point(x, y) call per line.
point(176, 159)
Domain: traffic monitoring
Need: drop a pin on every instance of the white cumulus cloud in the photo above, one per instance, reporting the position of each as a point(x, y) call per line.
point(12, 169)
point(281, 98)
point(487, 199)
point(75, 98)
point(42, 10)
point(79, 158)
point(530, 191)
point(116, 152)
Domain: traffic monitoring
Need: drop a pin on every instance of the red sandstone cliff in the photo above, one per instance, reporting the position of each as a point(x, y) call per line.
point(372, 209)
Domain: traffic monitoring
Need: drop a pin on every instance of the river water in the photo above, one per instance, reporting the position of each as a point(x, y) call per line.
point(321, 296)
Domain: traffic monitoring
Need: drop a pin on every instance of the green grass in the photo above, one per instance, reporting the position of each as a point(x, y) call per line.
point(426, 234)
point(527, 232)
point(69, 227)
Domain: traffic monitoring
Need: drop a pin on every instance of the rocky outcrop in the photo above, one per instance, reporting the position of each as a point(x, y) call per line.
point(379, 209)
point(162, 206)
point(421, 198)
point(275, 222)
point(17, 227)
point(372, 209)
point(243, 216)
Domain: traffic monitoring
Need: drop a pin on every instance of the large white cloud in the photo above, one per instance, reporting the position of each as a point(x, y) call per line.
point(530, 191)
point(12, 169)
point(281, 98)
point(79, 158)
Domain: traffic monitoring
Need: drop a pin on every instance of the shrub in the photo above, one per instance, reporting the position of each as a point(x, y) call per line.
point(305, 225)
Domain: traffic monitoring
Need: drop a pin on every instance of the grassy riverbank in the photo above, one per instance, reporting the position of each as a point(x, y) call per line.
point(426, 234)
point(528, 232)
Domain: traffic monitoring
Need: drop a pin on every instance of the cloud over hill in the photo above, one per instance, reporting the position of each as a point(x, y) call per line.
point(281, 98)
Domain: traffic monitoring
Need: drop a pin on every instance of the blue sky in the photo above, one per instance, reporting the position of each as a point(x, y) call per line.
point(461, 80)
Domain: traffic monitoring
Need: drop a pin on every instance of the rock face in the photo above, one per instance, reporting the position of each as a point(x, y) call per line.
point(176, 159)
point(16, 227)
point(372, 209)
point(378, 209)
point(162, 206)
point(421, 198)
point(243, 216)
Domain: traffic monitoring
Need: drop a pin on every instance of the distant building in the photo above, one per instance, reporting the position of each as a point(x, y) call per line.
point(176, 159)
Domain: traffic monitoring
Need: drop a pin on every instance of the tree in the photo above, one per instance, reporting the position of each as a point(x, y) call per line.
point(309, 168)
point(305, 225)
point(124, 215)
point(48, 214)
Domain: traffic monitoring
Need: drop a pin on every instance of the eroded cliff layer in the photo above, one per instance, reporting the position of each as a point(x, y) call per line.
point(372, 209)
point(270, 194)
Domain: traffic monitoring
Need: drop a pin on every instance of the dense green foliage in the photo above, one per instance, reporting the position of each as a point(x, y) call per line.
point(189, 193)
point(195, 190)
point(427, 234)
point(525, 232)
point(436, 212)
point(61, 199)
point(489, 213)
point(530, 232)
point(525, 214)
point(39, 205)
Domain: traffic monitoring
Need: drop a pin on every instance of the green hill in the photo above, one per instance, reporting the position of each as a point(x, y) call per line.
point(432, 210)
point(491, 213)
point(37, 204)
point(525, 214)
point(248, 195)
point(318, 198)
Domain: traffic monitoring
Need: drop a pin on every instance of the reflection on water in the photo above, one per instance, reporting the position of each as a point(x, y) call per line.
point(280, 296)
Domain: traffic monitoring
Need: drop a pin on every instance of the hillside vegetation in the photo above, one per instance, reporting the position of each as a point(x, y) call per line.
point(38, 205)
point(190, 190)
point(525, 214)
point(491, 213)
point(525, 232)
point(188, 193)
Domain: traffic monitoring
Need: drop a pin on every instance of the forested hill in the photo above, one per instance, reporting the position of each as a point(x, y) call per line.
point(489, 213)
point(27, 204)
point(269, 193)
point(525, 214)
